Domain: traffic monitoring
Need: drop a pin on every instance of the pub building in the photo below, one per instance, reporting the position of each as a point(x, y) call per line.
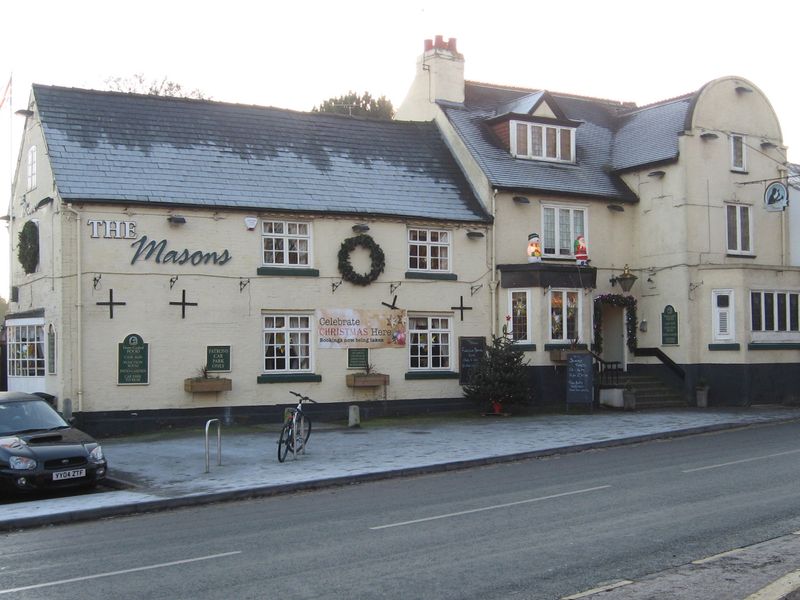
point(174, 259)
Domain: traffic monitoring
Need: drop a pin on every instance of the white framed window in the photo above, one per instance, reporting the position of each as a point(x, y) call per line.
point(565, 315)
point(286, 243)
point(26, 350)
point(429, 250)
point(542, 142)
point(738, 153)
point(430, 343)
point(775, 315)
point(722, 314)
point(519, 309)
point(561, 226)
point(31, 168)
point(740, 228)
point(287, 343)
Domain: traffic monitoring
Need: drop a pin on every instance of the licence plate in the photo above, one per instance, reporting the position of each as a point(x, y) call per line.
point(72, 474)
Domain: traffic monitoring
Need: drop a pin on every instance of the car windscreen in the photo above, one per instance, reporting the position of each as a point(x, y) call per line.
point(28, 415)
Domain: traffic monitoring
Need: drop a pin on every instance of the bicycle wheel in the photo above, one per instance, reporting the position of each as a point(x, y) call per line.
point(285, 441)
point(303, 431)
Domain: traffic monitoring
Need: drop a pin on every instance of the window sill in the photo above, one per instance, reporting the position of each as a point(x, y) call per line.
point(431, 375)
point(724, 347)
point(289, 378)
point(288, 271)
point(431, 275)
point(736, 255)
point(564, 346)
point(525, 347)
point(773, 346)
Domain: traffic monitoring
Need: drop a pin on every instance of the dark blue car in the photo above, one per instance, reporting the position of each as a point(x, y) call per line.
point(39, 450)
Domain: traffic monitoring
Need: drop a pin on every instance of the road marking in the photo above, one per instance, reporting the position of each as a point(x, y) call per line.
point(779, 588)
point(598, 590)
point(708, 559)
point(744, 460)
point(494, 507)
point(122, 572)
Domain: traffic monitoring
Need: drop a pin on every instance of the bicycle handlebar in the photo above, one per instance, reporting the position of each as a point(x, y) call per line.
point(302, 397)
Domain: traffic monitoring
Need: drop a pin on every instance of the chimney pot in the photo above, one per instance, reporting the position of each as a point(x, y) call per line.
point(439, 42)
point(451, 45)
point(428, 45)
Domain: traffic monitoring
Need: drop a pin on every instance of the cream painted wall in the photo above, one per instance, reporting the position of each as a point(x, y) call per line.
point(228, 316)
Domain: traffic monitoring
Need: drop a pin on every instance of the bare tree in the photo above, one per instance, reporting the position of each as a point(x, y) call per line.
point(138, 84)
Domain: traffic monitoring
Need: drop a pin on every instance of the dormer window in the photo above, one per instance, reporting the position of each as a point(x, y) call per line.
point(539, 141)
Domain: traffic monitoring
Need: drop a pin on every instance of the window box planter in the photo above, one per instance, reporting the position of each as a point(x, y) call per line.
point(367, 379)
point(558, 355)
point(206, 384)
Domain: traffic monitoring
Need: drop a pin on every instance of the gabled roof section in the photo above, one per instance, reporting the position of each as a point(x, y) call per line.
point(591, 176)
point(117, 147)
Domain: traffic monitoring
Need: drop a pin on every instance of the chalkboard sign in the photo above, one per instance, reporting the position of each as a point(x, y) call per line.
point(218, 359)
point(579, 378)
point(133, 366)
point(669, 327)
point(357, 358)
point(470, 352)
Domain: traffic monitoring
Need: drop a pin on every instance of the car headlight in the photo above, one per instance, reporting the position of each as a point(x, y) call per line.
point(22, 463)
point(96, 455)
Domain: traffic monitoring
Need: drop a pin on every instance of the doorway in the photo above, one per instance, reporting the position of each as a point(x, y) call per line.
point(614, 334)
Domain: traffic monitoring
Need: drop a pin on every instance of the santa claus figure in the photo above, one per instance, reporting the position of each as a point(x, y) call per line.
point(581, 251)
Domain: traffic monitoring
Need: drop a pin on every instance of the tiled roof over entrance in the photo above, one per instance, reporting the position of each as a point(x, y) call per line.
point(108, 146)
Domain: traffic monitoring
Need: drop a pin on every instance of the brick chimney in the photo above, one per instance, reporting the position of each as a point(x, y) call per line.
point(440, 76)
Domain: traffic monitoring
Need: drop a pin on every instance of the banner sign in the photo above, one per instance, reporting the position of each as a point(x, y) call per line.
point(354, 328)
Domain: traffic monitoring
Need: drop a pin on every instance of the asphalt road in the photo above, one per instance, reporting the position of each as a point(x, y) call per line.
point(535, 529)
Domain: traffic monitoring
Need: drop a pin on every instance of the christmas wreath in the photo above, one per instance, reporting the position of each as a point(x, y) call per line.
point(628, 302)
point(28, 249)
point(376, 256)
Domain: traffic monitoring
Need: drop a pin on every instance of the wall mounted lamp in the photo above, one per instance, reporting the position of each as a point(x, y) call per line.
point(360, 227)
point(708, 135)
point(767, 144)
point(625, 280)
point(743, 89)
point(659, 174)
point(475, 235)
point(521, 200)
point(23, 112)
point(615, 208)
point(176, 219)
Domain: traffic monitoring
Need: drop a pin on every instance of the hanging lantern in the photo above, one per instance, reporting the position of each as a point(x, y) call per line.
point(534, 248)
point(581, 251)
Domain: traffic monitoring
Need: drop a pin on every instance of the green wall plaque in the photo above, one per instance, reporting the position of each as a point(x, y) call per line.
point(669, 327)
point(357, 358)
point(218, 358)
point(133, 364)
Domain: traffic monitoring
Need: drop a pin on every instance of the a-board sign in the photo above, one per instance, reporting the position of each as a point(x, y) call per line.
point(470, 352)
point(580, 387)
point(133, 364)
point(218, 359)
point(357, 358)
point(669, 326)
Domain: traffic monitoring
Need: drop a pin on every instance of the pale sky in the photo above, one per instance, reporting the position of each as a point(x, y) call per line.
point(297, 54)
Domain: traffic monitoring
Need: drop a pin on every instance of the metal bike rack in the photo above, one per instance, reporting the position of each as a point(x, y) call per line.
point(219, 442)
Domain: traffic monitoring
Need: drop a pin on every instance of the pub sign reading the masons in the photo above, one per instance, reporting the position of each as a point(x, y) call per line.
point(133, 361)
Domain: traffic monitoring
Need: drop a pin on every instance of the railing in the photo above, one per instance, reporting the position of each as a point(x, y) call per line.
point(608, 370)
point(668, 362)
point(219, 442)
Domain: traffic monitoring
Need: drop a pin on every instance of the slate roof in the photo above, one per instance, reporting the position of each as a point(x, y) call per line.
point(613, 136)
point(117, 147)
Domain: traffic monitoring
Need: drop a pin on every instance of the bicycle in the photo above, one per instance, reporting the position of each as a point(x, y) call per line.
point(295, 431)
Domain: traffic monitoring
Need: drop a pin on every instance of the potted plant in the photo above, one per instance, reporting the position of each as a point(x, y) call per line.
point(701, 392)
point(207, 383)
point(369, 378)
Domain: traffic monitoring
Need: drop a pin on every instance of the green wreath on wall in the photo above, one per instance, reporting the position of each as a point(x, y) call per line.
point(28, 249)
point(628, 302)
point(377, 258)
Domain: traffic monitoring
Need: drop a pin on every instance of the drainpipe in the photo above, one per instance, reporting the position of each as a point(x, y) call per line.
point(79, 307)
point(493, 282)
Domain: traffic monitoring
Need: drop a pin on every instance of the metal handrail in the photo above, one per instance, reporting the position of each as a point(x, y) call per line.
point(609, 369)
point(219, 442)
